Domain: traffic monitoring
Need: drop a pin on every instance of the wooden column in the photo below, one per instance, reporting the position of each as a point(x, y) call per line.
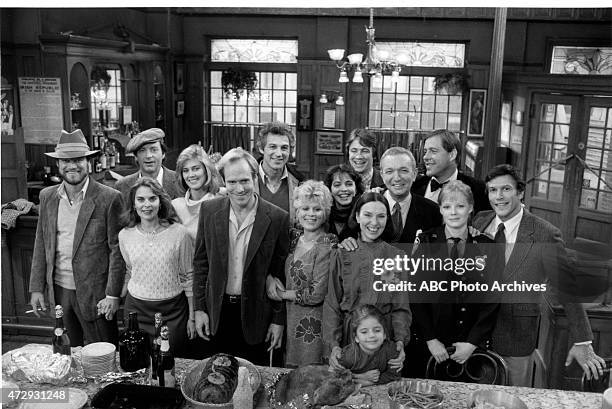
point(492, 110)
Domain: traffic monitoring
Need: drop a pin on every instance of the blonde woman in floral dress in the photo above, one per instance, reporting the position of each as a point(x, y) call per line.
point(307, 271)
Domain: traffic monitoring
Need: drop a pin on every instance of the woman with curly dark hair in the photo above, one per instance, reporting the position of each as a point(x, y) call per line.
point(158, 254)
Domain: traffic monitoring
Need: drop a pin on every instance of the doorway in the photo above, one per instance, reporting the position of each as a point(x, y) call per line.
point(569, 167)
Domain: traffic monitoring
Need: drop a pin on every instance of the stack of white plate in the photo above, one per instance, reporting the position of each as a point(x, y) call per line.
point(98, 358)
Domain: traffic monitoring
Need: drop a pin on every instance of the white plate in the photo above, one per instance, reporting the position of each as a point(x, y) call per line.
point(98, 349)
point(76, 400)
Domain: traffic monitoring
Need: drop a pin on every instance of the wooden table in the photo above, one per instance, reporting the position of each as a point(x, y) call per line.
point(456, 394)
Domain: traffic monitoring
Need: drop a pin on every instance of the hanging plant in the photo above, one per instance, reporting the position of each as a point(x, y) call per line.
point(451, 84)
point(100, 77)
point(236, 82)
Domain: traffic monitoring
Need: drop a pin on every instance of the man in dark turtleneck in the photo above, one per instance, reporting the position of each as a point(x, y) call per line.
point(275, 142)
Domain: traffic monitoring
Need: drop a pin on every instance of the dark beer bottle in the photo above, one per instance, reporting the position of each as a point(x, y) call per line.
point(133, 350)
point(60, 339)
point(165, 365)
point(155, 349)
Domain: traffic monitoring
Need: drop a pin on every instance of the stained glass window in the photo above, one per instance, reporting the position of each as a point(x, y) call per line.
point(417, 54)
point(254, 51)
point(581, 60)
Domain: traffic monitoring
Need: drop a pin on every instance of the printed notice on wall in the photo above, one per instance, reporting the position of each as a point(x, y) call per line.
point(41, 109)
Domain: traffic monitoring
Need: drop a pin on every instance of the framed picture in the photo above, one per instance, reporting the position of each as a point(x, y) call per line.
point(329, 142)
point(478, 102)
point(180, 108)
point(179, 77)
point(8, 111)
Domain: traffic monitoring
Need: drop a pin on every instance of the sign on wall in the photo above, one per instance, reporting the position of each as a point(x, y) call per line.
point(41, 109)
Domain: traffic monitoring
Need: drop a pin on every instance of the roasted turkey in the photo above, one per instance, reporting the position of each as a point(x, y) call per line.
point(313, 386)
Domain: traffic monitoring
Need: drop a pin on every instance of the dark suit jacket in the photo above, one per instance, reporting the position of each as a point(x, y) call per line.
point(538, 254)
point(97, 264)
point(170, 184)
point(422, 215)
point(481, 198)
point(266, 254)
point(459, 316)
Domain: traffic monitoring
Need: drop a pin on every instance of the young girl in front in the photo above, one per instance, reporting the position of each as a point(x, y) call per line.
point(368, 355)
point(351, 281)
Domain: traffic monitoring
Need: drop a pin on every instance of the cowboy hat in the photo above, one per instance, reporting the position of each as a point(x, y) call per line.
point(71, 145)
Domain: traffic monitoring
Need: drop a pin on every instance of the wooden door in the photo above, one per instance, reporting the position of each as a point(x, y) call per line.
point(570, 168)
point(14, 173)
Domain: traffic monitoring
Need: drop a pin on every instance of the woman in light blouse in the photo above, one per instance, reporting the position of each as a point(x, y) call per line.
point(201, 180)
point(158, 254)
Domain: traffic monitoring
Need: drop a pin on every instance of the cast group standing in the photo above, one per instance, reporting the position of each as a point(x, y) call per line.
point(250, 258)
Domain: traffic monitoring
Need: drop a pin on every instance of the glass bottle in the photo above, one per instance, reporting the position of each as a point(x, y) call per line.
point(165, 365)
point(103, 155)
point(155, 350)
point(133, 351)
point(60, 339)
point(243, 396)
point(111, 155)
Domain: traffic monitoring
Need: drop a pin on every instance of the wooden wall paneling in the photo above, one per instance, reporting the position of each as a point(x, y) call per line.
point(14, 184)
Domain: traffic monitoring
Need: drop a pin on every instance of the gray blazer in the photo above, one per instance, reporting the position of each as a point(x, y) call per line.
point(539, 253)
point(97, 264)
point(169, 183)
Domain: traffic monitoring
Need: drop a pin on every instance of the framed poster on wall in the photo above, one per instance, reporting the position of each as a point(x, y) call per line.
point(329, 142)
point(478, 101)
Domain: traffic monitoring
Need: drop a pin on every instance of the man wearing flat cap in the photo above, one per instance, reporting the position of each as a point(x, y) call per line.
point(76, 261)
point(150, 150)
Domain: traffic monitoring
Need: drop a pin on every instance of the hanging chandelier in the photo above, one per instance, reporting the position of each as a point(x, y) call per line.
point(377, 62)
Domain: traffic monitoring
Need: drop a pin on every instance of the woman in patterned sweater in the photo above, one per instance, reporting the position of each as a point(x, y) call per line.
point(158, 254)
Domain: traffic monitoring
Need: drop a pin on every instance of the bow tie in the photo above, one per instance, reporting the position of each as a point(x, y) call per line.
point(435, 185)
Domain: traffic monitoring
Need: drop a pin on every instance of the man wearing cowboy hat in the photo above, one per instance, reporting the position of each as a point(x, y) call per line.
point(76, 258)
point(150, 150)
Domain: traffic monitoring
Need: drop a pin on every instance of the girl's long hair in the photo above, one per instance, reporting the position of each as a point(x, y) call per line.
point(166, 213)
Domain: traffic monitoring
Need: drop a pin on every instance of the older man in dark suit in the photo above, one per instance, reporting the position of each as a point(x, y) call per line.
point(150, 151)
point(241, 239)
point(442, 152)
point(76, 256)
point(533, 252)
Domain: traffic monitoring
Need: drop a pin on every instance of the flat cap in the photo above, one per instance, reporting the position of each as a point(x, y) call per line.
point(147, 136)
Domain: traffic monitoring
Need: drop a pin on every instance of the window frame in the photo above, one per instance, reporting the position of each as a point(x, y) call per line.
point(422, 72)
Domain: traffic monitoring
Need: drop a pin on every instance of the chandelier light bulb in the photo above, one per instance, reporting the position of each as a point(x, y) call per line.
point(343, 77)
point(336, 54)
point(340, 100)
point(323, 99)
point(357, 77)
point(355, 59)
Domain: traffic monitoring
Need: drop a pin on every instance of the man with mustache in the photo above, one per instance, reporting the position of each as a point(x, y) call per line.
point(76, 259)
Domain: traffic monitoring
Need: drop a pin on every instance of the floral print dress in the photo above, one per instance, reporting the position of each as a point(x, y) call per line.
point(308, 275)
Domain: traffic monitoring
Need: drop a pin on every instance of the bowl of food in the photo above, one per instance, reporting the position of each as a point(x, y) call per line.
point(211, 383)
point(414, 394)
point(493, 399)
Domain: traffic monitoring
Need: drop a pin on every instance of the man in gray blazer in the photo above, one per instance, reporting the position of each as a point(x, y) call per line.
point(76, 258)
point(241, 239)
point(150, 150)
point(533, 252)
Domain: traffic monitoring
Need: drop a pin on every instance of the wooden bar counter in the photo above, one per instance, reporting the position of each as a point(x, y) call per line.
point(456, 394)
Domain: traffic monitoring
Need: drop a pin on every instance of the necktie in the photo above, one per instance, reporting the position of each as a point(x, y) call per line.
point(397, 219)
point(435, 185)
point(500, 238)
point(454, 252)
